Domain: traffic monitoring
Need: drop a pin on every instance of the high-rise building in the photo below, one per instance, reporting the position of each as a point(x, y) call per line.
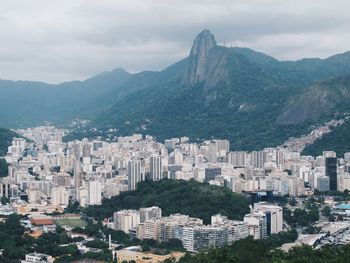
point(75, 151)
point(59, 196)
point(150, 212)
point(83, 196)
point(257, 159)
point(94, 190)
point(236, 230)
point(331, 172)
point(257, 223)
point(124, 220)
point(211, 173)
point(156, 168)
point(322, 183)
point(274, 217)
point(77, 175)
point(34, 195)
point(196, 238)
point(61, 179)
point(135, 174)
point(237, 158)
point(86, 154)
point(222, 147)
point(343, 182)
point(212, 153)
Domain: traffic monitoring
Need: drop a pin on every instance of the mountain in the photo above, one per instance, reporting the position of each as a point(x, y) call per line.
point(320, 99)
point(220, 92)
point(29, 103)
point(237, 93)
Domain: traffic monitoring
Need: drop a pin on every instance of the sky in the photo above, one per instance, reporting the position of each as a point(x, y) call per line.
point(62, 40)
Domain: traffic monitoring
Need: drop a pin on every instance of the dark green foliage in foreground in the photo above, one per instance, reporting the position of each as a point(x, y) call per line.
point(338, 140)
point(96, 243)
point(14, 246)
point(277, 240)
point(176, 196)
point(257, 251)
point(301, 217)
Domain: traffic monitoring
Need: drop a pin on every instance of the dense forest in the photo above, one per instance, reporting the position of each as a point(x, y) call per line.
point(176, 196)
point(258, 251)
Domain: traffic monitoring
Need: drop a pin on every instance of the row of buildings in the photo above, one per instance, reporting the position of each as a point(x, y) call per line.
point(147, 223)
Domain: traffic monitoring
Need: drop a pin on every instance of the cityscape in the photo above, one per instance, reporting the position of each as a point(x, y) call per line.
point(47, 175)
point(159, 131)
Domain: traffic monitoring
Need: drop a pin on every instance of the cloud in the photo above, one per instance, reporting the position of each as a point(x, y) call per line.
point(63, 40)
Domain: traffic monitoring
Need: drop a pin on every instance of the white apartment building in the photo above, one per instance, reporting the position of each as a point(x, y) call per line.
point(135, 174)
point(156, 168)
point(59, 196)
point(38, 258)
point(124, 220)
point(95, 192)
point(274, 215)
point(147, 213)
point(257, 224)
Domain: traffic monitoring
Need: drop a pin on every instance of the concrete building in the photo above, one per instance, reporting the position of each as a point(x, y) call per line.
point(274, 217)
point(257, 223)
point(156, 168)
point(236, 230)
point(125, 220)
point(322, 183)
point(59, 196)
point(331, 172)
point(147, 213)
point(197, 238)
point(237, 158)
point(95, 192)
point(38, 258)
point(135, 174)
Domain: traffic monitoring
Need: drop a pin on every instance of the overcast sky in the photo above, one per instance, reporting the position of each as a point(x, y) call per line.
point(61, 40)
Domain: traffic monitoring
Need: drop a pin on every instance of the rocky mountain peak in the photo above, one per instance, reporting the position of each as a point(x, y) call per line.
point(202, 44)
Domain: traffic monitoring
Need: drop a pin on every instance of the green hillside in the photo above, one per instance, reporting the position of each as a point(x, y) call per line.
point(176, 196)
point(6, 136)
point(338, 140)
point(239, 94)
point(232, 93)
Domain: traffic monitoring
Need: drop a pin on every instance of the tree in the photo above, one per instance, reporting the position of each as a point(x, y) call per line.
point(293, 201)
point(176, 196)
point(331, 218)
point(326, 211)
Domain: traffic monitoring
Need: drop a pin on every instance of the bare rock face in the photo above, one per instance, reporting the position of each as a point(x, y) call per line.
point(196, 70)
point(319, 99)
